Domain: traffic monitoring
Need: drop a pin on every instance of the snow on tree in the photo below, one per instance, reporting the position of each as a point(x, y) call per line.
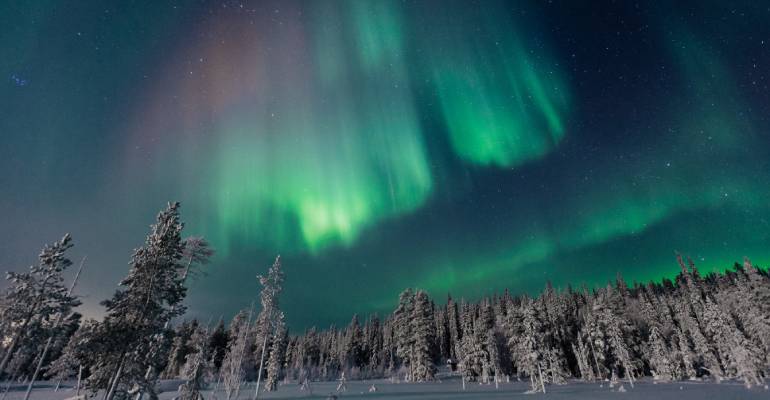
point(402, 330)
point(181, 346)
point(277, 354)
point(197, 366)
point(68, 364)
point(130, 339)
point(270, 315)
point(661, 365)
point(616, 330)
point(232, 370)
point(353, 346)
point(218, 344)
point(529, 348)
point(423, 333)
point(374, 345)
point(32, 299)
point(582, 356)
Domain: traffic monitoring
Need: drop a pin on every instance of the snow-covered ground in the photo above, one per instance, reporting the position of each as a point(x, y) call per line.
point(452, 389)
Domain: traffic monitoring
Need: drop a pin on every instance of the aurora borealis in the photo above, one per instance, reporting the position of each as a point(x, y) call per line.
point(455, 146)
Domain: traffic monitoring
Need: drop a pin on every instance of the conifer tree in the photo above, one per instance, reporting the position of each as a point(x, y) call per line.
point(218, 344)
point(402, 330)
point(232, 370)
point(197, 366)
point(33, 298)
point(277, 354)
point(423, 333)
point(127, 340)
point(270, 313)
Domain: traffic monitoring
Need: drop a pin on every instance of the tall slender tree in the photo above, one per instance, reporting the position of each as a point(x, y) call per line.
point(127, 339)
point(270, 313)
point(35, 297)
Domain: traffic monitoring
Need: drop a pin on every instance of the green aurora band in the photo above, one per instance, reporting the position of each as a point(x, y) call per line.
point(340, 146)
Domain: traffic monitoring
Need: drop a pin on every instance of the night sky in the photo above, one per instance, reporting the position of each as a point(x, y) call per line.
point(454, 146)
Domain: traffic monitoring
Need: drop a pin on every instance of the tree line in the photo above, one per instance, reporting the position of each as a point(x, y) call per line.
point(715, 327)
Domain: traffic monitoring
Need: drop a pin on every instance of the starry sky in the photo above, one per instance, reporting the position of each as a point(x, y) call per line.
point(456, 146)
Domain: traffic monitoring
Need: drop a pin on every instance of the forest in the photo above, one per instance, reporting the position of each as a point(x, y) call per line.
point(712, 327)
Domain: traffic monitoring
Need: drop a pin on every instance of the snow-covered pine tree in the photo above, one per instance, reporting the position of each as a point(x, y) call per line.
point(530, 356)
point(374, 345)
point(481, 329)
point(180, 348)
point(752, 296)
point(740, 357)
point(705, 359)
point(469, 352)
point(277, 354)
point(582, 356)
point(423, 333)
point(683, 356)
point(34, 297)
point(232, 371)
point(402, 330)
point(597, 342)
point(197, 368)
point(616, 329)
point(218, 344)
point(270, 313)
point(442, 334)
point(661, 366)
point(67, 365)
point(453, 326)
point(353, 346)
point(136, 315)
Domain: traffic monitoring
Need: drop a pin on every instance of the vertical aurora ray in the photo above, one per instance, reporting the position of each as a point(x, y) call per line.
point(502, 104)
point(336, 147)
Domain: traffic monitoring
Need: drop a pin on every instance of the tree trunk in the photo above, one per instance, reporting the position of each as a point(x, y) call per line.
point(115, 380)
point(261, 363)
point(540, 372)
point(80, 375)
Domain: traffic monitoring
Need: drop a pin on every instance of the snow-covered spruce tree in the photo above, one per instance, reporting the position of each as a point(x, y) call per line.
point(374, 345)
point(353, 347)
point(34, 298)
point(68, 364)
point(453, 326)
point(277, 354)
point(180, 348)
point(596, 339)
point(752, 298)
point(704, 357)
point(468, 354)
point(127, 340)
point(582, 356)
point(682, 356)
point(661, 366)
point(481, 328)
point(218, 344)
point(232, 371)
point(616, 336)
point(529, 350)
point(740, 357)
point(442, 334)
point(197, 366)
point(402, 330)
point(196, 252)
point(270, 313)
point(423, 334)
